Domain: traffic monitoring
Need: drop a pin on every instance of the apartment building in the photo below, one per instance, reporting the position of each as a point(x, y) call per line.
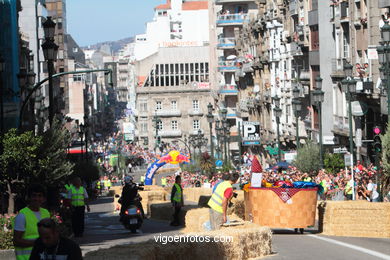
point(172, 69)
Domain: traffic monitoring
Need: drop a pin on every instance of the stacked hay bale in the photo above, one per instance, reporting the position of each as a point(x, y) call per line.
point(354, 218)
point(163, 211)
point(152, 196)
point(246, 243)
point(193, 194)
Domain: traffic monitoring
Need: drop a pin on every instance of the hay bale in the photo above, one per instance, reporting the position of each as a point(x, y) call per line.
point(193, 194)
point(246, 243)
point(203, 200)
point(238, 208)
point(369, 219)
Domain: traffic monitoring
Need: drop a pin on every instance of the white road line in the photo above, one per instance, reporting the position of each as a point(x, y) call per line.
point(357, 248)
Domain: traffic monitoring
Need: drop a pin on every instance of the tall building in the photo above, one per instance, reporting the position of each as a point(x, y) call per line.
point(172, 68)
point(57, 10)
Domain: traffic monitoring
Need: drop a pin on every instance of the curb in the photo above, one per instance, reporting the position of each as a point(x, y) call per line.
point(7, 254)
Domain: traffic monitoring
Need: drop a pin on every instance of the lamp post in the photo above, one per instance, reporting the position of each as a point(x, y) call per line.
point(156, 121)
point(318, 96)
point(86, 125)
point(297, 107)
point(210, 120)
point(50, 50)
point(348, 85)
point(384, 60)
point(224, 127)
point(198, 141)
point(219, 132)
point(2, 68)
point(278, 114)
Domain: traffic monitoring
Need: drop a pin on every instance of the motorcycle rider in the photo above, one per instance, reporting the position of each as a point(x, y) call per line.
point(130, 196)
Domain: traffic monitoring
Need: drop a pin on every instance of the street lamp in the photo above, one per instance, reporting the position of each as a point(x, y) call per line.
point(156, 121)
point(198, 141)
point(318, 98)
point(86, 125)
point(210, 120)
point(348, 86)
point(297, 107)
point(219, 131)
point(2, 68)
point(50, 50)
point(278, 114)
point(224, 128)
point(384, 60)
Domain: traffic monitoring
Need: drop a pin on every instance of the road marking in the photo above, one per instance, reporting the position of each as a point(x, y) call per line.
point(357, 248)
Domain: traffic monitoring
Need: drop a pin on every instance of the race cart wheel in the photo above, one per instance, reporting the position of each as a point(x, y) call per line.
point(301, 230)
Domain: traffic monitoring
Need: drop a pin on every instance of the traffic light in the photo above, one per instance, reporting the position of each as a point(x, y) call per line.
point(377, 144)
point(158, 140)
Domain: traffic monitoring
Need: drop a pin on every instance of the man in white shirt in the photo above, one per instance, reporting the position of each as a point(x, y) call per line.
point(372, 191)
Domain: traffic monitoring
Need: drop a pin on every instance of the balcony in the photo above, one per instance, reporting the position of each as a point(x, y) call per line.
point(226, 43)
point(227, 66)
point(383, 3)
point(295, 49)
point(293, 7)
point(170, 133)
point(231, 112)
point(168, 113)
point(228, 89)
point(195, 112)
point(340, 125)
point(338, 68)
point(221, 2)
point(313, 17)
point(231, 19)
point(314, 58)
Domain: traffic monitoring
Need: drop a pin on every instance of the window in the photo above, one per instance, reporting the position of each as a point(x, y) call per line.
point(174, 105)
point(159, 125)
point(75, 49)
point(143, 107)
point(78, 77)
point(158, 105)
point(174, 125)
point(196, 124)
point(144, 127)
point(195, 105)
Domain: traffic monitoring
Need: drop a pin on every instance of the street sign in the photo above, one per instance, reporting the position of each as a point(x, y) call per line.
point(340, 150)
point(250, 133)
point(348, 160)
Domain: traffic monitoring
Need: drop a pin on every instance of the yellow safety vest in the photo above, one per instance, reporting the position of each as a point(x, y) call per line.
point(142, 178)
point(77, 196)
point(216, 199)
point(164, 181)
point(307, 179)
point(67, 187)
point(347, 187)
point(177, 196)
point(31, 232)
point(98, 185)
point(108, 183)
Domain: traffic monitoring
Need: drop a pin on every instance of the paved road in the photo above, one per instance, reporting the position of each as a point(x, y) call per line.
point(103, 230)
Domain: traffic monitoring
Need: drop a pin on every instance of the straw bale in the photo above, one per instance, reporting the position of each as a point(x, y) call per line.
point(355, 218)
point(238, 208)
point(164, 211)
point(247, 243)
point(193, 194)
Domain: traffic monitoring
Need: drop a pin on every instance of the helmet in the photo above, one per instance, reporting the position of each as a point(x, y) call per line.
point(128, 179)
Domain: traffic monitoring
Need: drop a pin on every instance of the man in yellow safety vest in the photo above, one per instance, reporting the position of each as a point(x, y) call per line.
point(163, 181)
point(25, 225)
point(79, 199)
point(177, 200)
point(219, 201)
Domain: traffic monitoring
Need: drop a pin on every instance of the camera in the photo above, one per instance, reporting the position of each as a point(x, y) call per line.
point(235, 195)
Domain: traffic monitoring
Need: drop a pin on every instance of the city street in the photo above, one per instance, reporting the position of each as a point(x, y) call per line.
point(103, 231)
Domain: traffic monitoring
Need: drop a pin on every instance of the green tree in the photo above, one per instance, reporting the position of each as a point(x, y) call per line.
point(18, 161)
point(333, 162)
point(385, 180)
point(53, 165)
point(308, 158)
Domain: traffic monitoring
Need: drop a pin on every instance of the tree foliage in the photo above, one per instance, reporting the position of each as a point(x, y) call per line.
point(385, 139)
point(333, 162)
point(308, 158)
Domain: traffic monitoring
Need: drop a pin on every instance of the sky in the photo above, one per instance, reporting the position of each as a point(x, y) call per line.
point(93, 21)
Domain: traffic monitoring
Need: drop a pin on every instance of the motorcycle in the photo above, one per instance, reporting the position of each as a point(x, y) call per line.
point(132, 218)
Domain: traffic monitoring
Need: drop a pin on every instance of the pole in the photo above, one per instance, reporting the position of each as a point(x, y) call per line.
point(51, 94)
point(320, 133)
point(239, 143)
point(351, 141)
point(224, 144)
point(86, 144)
point(1, 105)
point(211, 140)
point(277, 130)
point(297, 129)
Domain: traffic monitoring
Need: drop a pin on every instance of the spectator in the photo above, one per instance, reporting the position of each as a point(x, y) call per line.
point(50, 245)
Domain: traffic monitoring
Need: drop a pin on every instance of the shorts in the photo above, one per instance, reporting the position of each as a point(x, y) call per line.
point(216, 219)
